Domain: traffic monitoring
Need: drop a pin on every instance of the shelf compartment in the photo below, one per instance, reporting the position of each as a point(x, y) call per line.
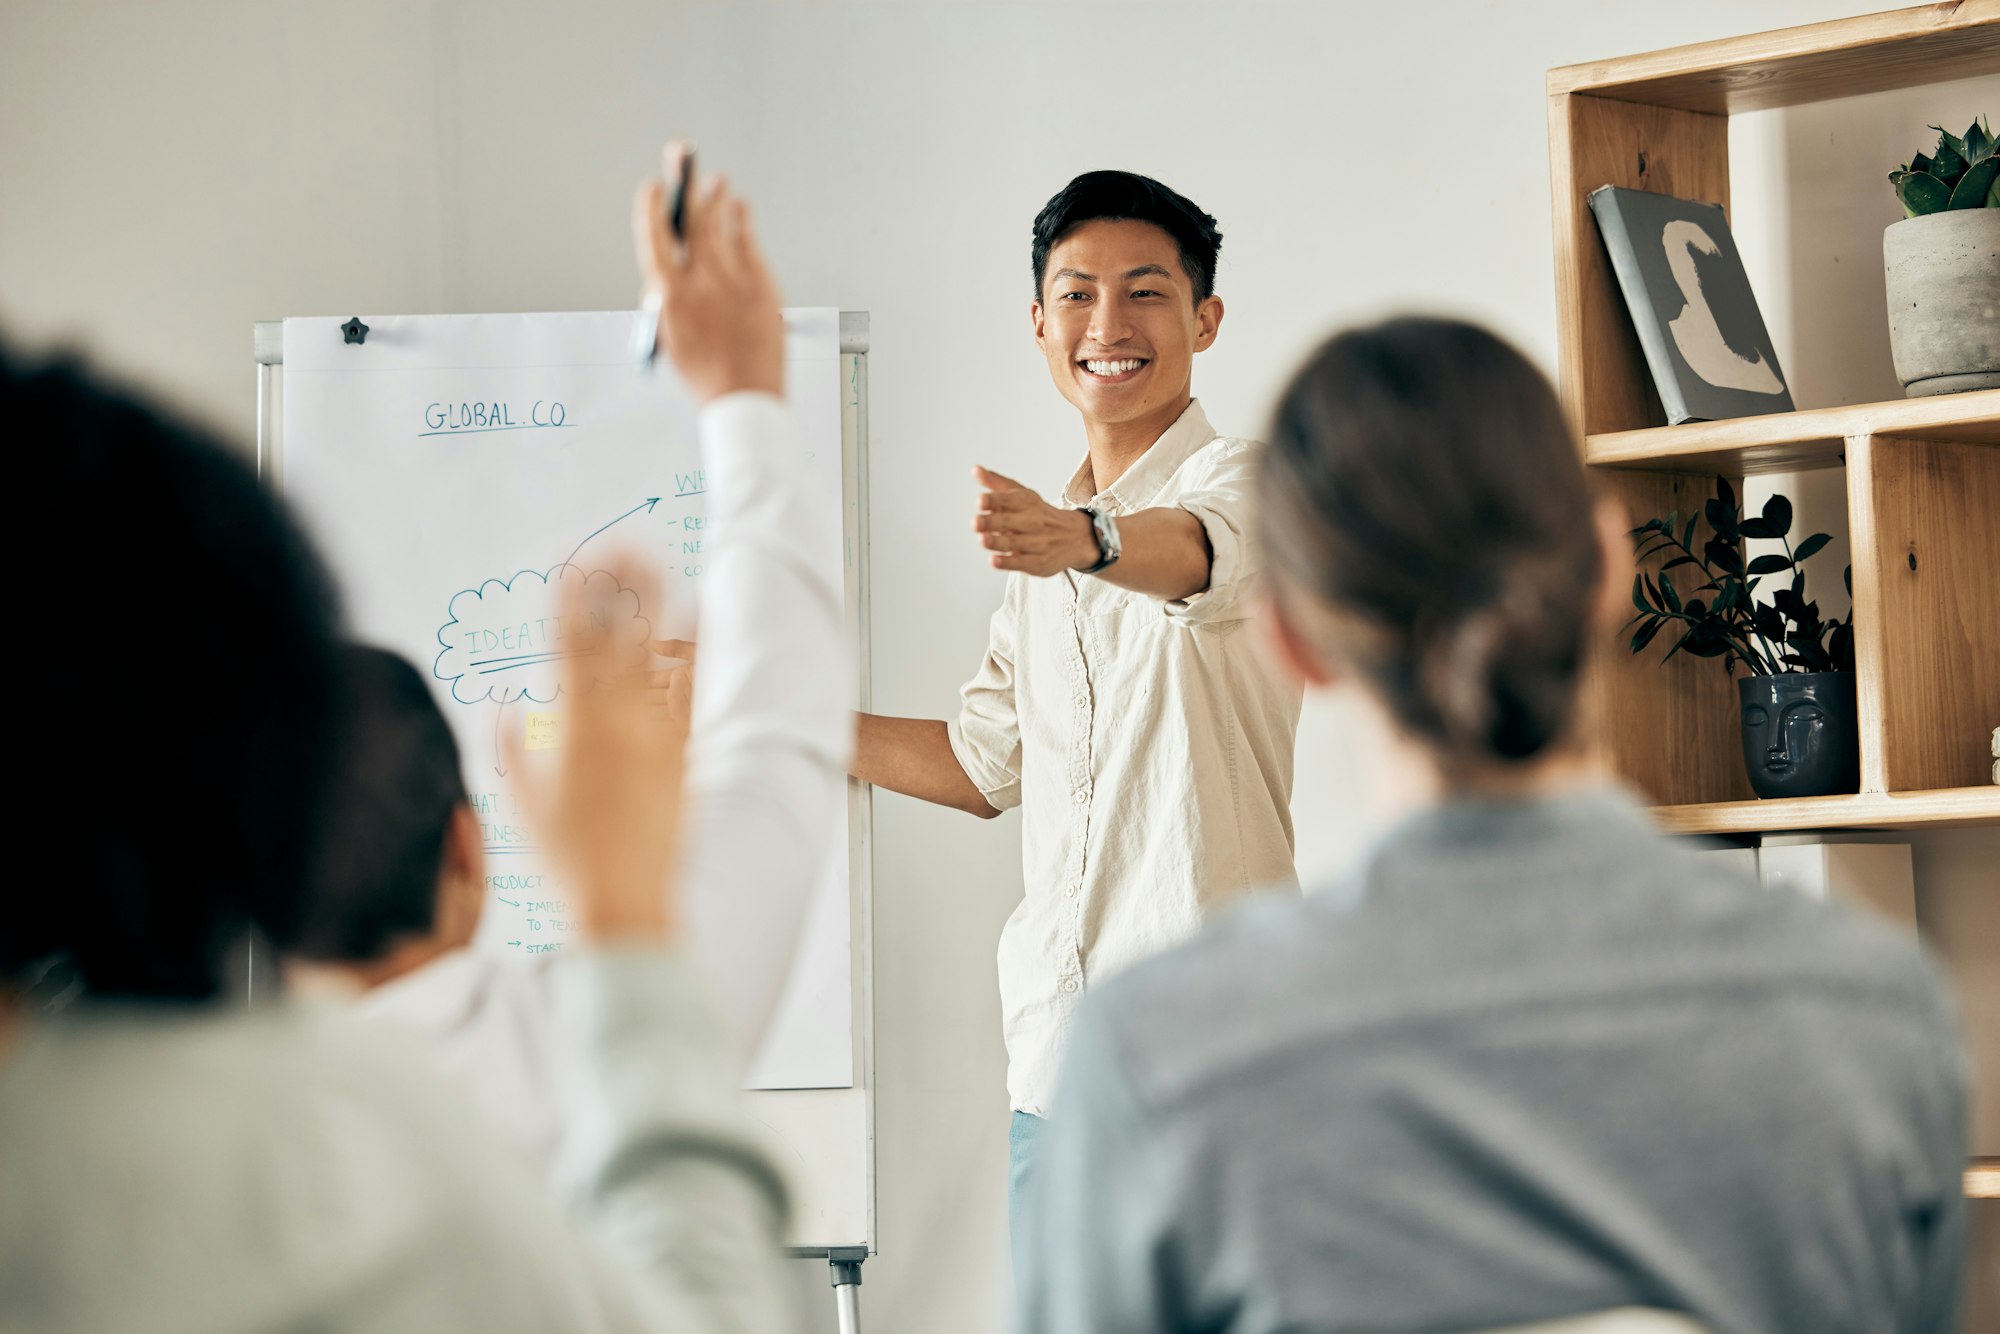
point(1797, 441)
point(1943, 809)
point(1672, 728)
point(1921, 519)
point(1602, 141)
point(1873, 53)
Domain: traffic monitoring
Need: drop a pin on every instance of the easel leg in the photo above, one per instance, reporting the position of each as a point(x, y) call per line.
point(844, 1268)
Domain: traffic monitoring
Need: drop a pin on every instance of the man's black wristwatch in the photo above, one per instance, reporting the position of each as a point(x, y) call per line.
point(1106, 529)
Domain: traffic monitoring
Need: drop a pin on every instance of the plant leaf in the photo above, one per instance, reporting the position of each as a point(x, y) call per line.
point(1666, 587)
point(1645, 635)
point(1687, 537)
point(1975, 185)
point(1678, 561)
point(1978, 143)
point(1778, 513)
point(1811, 546)
point(1724, 491)
point(1847, 578)
point(1921, 193)
point(1950, 156)
point(1769, 564)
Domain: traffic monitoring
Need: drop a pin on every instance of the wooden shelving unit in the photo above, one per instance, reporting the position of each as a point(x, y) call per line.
point(1982, 1179)
point(1923, 475)
point(1940, 809)
point(1797, 441)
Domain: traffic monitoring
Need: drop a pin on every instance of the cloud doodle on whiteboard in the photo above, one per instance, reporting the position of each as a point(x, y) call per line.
point(507, 639)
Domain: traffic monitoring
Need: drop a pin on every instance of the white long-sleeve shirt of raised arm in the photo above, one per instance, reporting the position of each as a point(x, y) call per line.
point(768, 752)
point(656, 1140)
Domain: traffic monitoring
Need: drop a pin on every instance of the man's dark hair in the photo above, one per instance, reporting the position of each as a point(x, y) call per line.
point(398, 786)
point(1121, 196)
point(179, 700)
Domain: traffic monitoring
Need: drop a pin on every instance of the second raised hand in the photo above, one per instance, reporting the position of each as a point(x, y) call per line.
point(1026, 533)
point(611, 813)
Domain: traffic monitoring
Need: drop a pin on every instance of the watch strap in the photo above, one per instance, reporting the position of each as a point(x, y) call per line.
point(1108, 547)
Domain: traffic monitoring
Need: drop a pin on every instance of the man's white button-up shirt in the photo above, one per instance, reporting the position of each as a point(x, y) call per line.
point(1148, 743)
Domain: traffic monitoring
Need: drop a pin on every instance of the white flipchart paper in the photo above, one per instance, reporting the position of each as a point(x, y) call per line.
point(450, 468)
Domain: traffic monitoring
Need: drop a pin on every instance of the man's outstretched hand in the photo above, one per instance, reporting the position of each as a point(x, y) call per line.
point(1026, 533)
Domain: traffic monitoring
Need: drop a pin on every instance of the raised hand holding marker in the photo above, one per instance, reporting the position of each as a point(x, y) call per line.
point(719, 310)
point(646, 325)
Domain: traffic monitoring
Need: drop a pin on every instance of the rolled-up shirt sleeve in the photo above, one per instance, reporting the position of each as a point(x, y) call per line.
point(1220, 499)
point(986, 735)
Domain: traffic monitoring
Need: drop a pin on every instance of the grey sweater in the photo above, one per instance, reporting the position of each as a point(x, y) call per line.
point(215, 1169)
point(1531, 1060)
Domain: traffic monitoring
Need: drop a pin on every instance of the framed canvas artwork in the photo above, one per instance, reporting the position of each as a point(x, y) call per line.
point(1691, 305)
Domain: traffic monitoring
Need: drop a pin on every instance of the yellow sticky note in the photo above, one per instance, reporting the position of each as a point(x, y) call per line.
point(544, 731)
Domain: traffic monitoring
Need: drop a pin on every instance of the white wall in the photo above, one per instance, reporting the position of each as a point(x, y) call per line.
point(169, 173)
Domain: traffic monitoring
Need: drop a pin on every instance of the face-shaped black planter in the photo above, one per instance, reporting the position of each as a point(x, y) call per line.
point(1799, 734)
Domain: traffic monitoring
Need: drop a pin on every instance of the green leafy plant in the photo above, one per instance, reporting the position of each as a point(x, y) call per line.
point(1720, 617)
point(1964, 172)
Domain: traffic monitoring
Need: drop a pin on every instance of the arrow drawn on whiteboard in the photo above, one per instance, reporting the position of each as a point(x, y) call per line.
point(498, 714)
point(651, 501)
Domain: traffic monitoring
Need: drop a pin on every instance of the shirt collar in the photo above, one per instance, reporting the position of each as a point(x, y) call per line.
point(1150, 471)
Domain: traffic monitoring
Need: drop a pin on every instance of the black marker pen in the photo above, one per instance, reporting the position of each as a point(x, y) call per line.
point(646, 325)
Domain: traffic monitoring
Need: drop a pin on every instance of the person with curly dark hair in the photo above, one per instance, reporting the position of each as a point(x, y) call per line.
point(174, 1159)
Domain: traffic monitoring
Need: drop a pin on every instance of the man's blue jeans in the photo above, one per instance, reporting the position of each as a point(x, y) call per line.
point(1022, 1134)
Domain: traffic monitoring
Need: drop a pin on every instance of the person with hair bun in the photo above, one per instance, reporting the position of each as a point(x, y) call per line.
point(1529, 1058)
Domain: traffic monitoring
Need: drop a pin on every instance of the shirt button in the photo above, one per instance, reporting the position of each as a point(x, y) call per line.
point(1081, 796)
point(1070, 985)
point(1069, 891)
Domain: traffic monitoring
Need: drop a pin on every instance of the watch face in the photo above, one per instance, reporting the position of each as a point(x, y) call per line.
point(1107, 538)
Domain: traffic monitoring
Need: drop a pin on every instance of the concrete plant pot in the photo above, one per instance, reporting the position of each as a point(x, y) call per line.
point(1943, 272)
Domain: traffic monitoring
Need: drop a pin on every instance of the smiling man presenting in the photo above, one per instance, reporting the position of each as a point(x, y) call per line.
point(1122, 703)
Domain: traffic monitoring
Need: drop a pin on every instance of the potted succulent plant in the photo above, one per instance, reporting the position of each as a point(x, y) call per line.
point(1800, 737)
point(1942, 266)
